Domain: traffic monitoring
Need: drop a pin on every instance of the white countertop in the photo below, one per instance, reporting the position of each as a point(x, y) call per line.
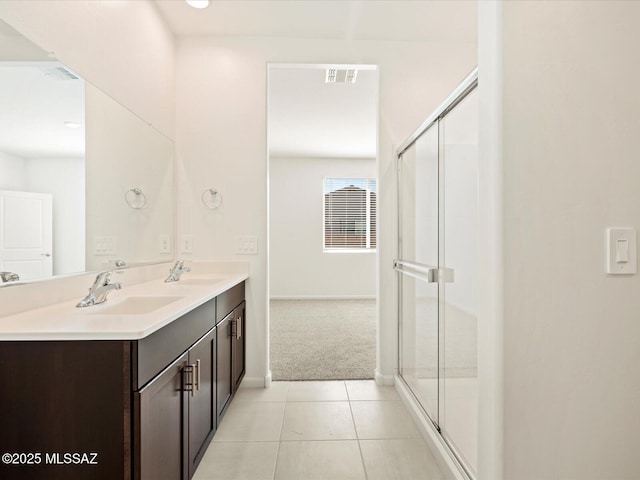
point(63, 321)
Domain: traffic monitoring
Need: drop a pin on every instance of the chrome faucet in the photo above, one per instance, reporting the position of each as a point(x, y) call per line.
point(177, 270)
point(99, 290)
point(9, 277)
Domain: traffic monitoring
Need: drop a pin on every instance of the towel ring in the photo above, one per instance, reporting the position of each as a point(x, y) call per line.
point(135, 198)
point(211, 198)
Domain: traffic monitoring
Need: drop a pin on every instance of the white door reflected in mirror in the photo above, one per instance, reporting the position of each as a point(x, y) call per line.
point(26, 223)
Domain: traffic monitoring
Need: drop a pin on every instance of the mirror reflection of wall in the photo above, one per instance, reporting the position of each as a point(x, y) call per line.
point(66, 144)
point(124, 153)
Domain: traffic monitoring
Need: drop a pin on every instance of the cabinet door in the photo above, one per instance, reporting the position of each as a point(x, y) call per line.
point(237, 345)
point(202, 413)
point(162, 412)
point(60, 397)
point(223, 365)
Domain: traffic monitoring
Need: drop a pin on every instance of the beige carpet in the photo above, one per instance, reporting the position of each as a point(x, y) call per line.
point(323, 339)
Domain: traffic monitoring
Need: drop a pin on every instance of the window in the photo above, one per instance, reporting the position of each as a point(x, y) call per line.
point(349, 214)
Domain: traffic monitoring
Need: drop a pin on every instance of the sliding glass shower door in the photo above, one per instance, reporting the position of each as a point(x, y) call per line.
point(437, 272)
point(418, 245)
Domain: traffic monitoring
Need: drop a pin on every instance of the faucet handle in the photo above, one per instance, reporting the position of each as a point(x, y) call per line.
point(178, 264)
point(103, 278)
point(9, 276)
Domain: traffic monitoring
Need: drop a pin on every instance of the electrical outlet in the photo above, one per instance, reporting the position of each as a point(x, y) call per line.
point(247, 245)
point(164, 245)
point(186, 244)
point(105, 245)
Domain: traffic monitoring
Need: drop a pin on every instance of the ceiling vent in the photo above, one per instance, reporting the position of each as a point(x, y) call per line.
point(334, 75)
point(60, 73)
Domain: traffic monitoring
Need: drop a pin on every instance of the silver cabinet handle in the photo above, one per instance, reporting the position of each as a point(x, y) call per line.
point(188, 379)
point(45, 254)
point(238, 328)
point(198, 374)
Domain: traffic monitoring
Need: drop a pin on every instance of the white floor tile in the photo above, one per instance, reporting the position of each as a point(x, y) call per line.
point(277, 392)
point(317, 421)
point(325, 431)
point(238, 461)
point(383, 420)
point(368, 390)
point(399, 460)
point(332, 391)
point(338, 460)
point(246, 421)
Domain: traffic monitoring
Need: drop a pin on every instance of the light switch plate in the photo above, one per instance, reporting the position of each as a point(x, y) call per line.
point(186, 244)
point(164, 244)
point(621, 251)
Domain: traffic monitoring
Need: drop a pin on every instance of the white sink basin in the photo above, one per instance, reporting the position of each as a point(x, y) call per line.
point(134, 305)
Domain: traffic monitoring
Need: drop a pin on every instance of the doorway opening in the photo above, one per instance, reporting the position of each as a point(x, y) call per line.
point(322, 197)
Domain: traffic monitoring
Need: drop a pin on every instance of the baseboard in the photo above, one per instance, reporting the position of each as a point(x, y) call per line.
point(255, 382)
point(383, 379)
point(322, 297)
point(444, 456)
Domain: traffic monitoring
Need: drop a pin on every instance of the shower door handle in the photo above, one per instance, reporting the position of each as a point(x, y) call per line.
point(428, 273)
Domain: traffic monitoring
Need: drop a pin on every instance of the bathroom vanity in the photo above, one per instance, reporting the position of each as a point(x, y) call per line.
point(130, 389)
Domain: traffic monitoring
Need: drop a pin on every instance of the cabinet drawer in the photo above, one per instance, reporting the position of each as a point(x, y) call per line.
point(229, 300)
point(153, 353)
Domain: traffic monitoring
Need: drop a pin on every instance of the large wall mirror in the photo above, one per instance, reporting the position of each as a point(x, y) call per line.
point(84, 182)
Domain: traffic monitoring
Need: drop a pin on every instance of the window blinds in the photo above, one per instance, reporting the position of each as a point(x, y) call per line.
point(349, 213)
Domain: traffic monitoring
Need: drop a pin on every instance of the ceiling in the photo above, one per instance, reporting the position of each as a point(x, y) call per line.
point(36, 100)
point(307, 117)
point(398, 20)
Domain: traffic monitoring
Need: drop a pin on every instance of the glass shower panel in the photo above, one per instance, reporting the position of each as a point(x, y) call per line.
point(458, 299)
point(418, 178)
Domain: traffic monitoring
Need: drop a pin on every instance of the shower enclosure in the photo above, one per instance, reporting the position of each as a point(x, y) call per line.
point(437, 269)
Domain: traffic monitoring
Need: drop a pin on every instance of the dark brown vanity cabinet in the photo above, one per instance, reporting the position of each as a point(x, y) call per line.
point(230, 354)
point(136, 409)
point(237, 346)
point(177, 416)
point(201, 397)
point(223, 367)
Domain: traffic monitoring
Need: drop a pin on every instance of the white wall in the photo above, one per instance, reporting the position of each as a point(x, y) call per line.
point(12, 172)
point(122, 47)
point(221, 142)
point(571, 169)
point(63, 178)
point(298, 265)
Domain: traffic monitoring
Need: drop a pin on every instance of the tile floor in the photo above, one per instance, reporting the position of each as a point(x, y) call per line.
point(331, 430)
